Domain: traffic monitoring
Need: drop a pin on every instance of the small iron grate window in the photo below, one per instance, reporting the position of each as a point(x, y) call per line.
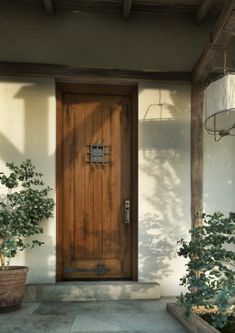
point(97, 154)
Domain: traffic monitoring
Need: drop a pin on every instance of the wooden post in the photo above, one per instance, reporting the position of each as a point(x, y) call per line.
point(212, 55)
point(196, 154)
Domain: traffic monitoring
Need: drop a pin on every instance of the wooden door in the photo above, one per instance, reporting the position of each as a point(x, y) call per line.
point(97, 241)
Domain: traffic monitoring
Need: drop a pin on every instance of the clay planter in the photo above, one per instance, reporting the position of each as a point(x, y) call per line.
point(193, 323)
point(12, 286)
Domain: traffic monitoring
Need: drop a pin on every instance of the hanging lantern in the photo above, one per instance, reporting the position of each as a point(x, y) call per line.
point(219, 107)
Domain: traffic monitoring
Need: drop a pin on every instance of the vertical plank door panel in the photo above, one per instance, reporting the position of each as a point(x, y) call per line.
point(79, 178)
point(89, 182)
point(68, 208)
point(116, 210)
point(98, 186)
point(106, 179)
point(97, 242)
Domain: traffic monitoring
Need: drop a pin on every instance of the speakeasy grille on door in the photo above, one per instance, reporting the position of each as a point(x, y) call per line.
point(97, 154)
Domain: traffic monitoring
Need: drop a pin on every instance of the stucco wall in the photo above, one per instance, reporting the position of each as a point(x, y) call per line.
point(27, 130)
point(164, 181)
point(219, 174)
point(101, 39)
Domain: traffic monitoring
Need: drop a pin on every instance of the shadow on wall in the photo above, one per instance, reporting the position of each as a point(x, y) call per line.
point(164, 131)
point(219, 175)
point(36, 140)
point(25, 134)
point(157, 246)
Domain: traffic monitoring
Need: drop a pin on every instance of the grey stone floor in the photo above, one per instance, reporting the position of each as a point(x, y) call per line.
point(136, 316)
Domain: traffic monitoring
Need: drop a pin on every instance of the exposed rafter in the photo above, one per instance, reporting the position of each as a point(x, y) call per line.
point(147, 6)
point(49, 6)
point(203, 10)
point(127, 9)
point(223, 31)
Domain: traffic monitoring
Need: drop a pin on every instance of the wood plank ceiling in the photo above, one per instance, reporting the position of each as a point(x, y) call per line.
point(199, 8)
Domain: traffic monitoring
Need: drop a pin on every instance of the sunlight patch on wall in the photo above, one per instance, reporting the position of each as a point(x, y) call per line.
point(27, 130)
point(12, 115)
point(164, 181)
point(219, 175)
point(51, 127)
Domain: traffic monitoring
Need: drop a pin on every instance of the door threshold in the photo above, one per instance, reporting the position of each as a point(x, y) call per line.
point(91, 291)
point(93, 282)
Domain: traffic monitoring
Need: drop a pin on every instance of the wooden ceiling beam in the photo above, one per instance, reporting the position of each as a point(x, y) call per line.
point(222, 33)
point(126, 9)
point(49, 7)
point(64, 71)
point(203, 10)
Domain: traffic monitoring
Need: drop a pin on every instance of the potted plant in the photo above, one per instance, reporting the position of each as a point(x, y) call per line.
point(24, 203)
point(210, 277)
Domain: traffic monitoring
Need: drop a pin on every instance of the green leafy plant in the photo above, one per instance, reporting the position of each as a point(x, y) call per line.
point(210, 275)
point(24, 203)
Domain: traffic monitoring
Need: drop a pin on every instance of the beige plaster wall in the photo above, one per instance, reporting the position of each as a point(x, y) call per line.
point(27, 130)
point(102, 39)
point(164, 181)
point(219, 174)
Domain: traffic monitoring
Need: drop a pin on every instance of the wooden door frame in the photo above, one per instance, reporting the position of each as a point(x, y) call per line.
point(131, 91)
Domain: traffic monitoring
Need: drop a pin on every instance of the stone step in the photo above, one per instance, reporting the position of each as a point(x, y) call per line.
point(91, 291)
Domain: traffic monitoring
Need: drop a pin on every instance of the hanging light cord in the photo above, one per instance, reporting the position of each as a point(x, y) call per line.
point(225, 62)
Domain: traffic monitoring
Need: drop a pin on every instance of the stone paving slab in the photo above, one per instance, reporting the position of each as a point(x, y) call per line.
point(124, 322)
point(92, 317)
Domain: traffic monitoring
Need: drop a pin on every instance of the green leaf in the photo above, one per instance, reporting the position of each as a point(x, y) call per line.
point(22, 210)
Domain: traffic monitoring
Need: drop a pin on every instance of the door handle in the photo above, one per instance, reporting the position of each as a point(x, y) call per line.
point(127, 211)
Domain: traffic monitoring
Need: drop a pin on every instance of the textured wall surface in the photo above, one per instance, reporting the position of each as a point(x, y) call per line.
point(219, 174)
point(164, 181)
point(27, 130)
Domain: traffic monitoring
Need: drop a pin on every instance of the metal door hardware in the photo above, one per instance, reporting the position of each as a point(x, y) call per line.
point(97, 154)
point(127, 211)
point(100, 269)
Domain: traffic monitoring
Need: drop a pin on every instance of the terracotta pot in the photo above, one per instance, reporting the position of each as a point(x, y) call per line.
point(12, 287)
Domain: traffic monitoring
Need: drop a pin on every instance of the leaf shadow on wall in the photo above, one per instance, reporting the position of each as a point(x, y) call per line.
point(36, 138)
point(31, 140)
point(164, 183)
